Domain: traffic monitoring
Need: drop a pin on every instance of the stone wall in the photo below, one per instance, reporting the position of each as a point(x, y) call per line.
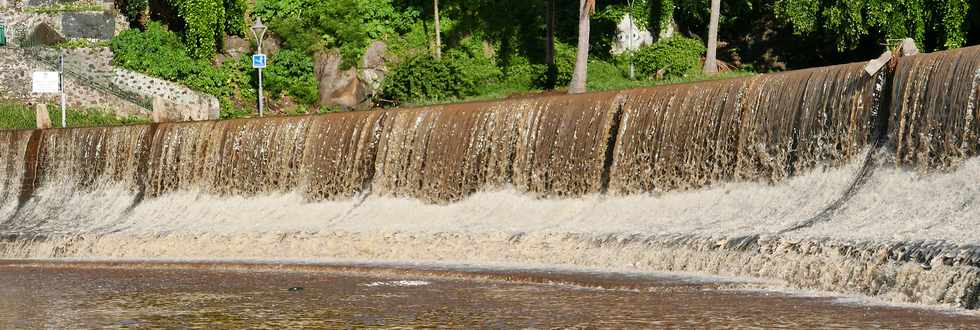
point(91, 81)
point(21, 22)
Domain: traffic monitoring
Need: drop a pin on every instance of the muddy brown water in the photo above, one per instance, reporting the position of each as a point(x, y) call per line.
point(86, 295)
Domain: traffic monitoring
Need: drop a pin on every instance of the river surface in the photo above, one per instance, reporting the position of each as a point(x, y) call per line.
point(85, 295)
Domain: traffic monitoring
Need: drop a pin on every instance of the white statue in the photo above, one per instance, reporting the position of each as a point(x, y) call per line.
point(630, 36)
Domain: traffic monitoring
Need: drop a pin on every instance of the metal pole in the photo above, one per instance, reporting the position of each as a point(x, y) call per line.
point(261, 103)
point(629, 43)
point(261, 96)
point(61, 77)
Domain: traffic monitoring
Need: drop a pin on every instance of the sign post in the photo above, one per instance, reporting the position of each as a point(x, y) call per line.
point(61, 84)
point(45, 82)
point(259, 61)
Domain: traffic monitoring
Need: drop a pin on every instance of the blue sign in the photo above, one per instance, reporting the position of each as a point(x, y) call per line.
point(259, 61)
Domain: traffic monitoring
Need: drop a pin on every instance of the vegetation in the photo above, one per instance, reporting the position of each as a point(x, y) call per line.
point(82, 43)
point(347, 25)
point(844, 23)
point(19, 116)
point(670, 57)
point(488, 55)
point(65, 7)
point(292, 75)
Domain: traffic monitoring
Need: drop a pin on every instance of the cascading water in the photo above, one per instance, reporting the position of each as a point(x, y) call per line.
point(824, 178)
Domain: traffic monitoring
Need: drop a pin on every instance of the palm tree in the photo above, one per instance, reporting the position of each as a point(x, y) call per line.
point(579, 76)
point(711, 62)
point(438, 30)
point(549, 50)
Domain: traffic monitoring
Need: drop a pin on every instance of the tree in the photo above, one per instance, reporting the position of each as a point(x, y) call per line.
point(711, 62)
point(549, 50)
point(438, 30)
point(579, 76)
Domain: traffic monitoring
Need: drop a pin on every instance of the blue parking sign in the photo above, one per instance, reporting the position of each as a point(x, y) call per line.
point(259, 61)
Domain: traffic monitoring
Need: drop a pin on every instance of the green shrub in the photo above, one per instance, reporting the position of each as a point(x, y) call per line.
point(291, 72)
point(235, 17)
point(158, 52)
point(677, 56)
point(204, 25)
point(424, 78)
point(561, 74)
point(477, 71)
point(347, 25)
point(522, 74)
point(605, 76)
point(132, 9)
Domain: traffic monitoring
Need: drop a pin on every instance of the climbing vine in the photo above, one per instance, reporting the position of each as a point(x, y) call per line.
point(235, 17)
point(205, 25)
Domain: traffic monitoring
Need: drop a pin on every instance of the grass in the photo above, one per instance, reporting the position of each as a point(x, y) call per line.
point(19, 116)
point(603, 76)
point(82, 43)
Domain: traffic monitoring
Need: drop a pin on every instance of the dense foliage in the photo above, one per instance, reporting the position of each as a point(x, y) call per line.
point(845, 22)
point(348, 25)
point(675, 56)
point(204, 25)
point(291, 73)
point(159, 52)
point(424, 78)
point(496, 48)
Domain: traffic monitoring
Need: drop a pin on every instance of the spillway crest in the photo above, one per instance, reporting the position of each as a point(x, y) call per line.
point(825, 178)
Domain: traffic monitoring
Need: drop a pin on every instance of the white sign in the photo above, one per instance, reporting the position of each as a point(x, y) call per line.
point(259, 61)
point(45, 82)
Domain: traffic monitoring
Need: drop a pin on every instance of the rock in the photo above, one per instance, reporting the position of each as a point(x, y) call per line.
point(373, 66)
point(88, 25)
point(876, 64)
point(271, 44)
point(44, 34)
point(337, 87)
point(41, 116)
point(907, 47)
point(235, 47)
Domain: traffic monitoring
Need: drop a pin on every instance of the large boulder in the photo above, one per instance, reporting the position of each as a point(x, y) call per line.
point(352, 87)
point(373, 68)
point(271, 44)
point(338, 87)
point(46, 35)
point(235, 47)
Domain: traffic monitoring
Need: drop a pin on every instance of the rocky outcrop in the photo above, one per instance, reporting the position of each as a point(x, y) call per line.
point(338, 88)
point(373, 67)
point(350, 88)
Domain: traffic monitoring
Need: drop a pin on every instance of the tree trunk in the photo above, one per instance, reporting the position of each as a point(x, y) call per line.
point(438, 30)
point(579, 76)
point(711, 61)
point(549, 50)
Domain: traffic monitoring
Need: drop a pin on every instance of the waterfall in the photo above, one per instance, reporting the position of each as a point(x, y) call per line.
point(824, 178)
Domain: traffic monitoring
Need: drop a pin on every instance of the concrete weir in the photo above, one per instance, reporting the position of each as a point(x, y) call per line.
point(826, 179)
